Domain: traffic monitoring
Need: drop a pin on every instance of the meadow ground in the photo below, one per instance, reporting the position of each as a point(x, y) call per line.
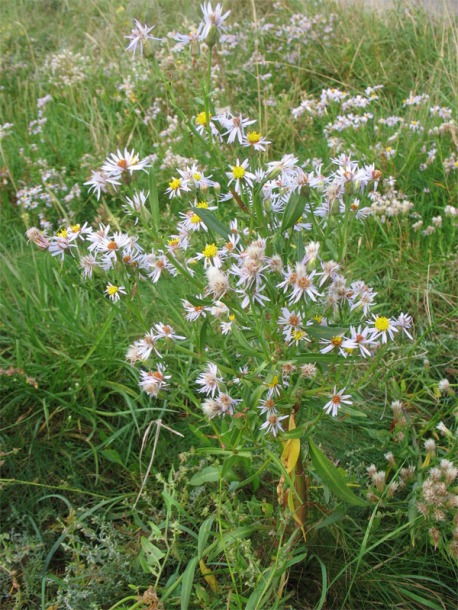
point(228, 306)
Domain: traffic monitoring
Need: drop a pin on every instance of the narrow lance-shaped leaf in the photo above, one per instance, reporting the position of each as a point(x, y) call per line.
point(212, 222)
point(332, 477)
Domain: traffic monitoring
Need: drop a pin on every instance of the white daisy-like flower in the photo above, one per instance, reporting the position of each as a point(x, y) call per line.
point(362, 337)
point(338, 343)
point(268, 406)
point(193, 312)
point(119, 162)
point(273, 423)
point(337, 399)
point(404, 322)
point(87, 264)
point(164, 331)
point(139, 35)
point(255, 140)
point(100, 183)
point(193, 36)
point(383, 327)
point(176, 185)
point(300, 282)
point(60, 244)
point(239, 175)
point(115, 292)
point(235, 126)
point(213, 18)
point(136, 204)
point(152, 382)
point(147, 345)
point(210, 380)
point(226, 403)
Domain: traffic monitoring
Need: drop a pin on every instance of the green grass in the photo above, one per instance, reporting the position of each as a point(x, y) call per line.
point(106, 492)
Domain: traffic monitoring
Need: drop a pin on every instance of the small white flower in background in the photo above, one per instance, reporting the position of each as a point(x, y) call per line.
point(136, 204)
point(273, 423)
point(268, 406)
point(444, 387)
point(404, 322)
point(60, 243)
point(194, 312)
point(139, 35)
point(100, 182)
point(154, 381)
point(87, 264)
point(147, 345)
point(38, 238)
point(193, 36)
point(213, 18)
point(226, 403)
point(218, 282)
point(362, 338)
point(114, 292)
point(255, 140)
point(211, 408)
point(176, 185)
point(164, 331)
point(210, 380)
point(337, 399)
point(235, 126)
point(117, 163)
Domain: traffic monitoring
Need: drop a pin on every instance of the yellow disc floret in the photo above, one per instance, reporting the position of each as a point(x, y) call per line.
point(202, 118)
point(210, 251)
point(175, 184)
point(112, 290)
point(337, 340)
point(63, 233)
point(382, 323)
point(253, 137)
point(202, 204)
point(238, 171)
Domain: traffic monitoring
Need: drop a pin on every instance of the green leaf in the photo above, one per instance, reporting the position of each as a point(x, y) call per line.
point(212, 222)
point(186, 585)
point(204, 533)
point(153, 554)
point(293, 211)
point(203, 335)
point(423, 601)
point(325, 332)
point(154, 199)
point(333, 477)
point(210, 474)
point(113, 456)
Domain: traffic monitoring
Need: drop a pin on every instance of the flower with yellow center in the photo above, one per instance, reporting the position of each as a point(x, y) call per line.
point(175, 184)
point(253, 137)
point(195, 220)
point(384, 328)
point(112, 290)
point(174, 242)
point(202, 204)
point(62, 233)
point(202, 118)
point(197, 176)
point(210, 251)
point(75, 228)
point(381, 323)
point(238, 172)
